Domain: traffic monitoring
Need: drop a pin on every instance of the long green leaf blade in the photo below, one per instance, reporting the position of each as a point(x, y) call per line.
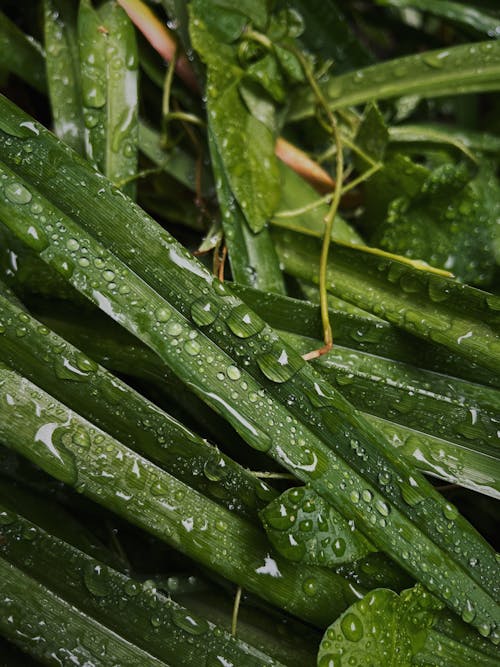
point(468, 16)
point(457, 70)
point(74, 451)
point(252, 255)
point(141, 617)
point(43, 626)
point(21, 55)
point(72, 377)
point(361, 331)
point(62, 62)
point(418, 524)
point(439, 309)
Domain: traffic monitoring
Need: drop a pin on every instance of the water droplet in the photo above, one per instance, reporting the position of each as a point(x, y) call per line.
point(85, 364)
point(469, 613)
point(484, 629)
point(81, 438)
point(411, 493)
point(108, 275)
point(330, 660)
point(204, 311)
point(436, 60)
point(233, 372)
point(17, 193)
point(194, 625)
point(450, 512)
point(310, 586)
point(339, 547)
point(94, 577)
point(354, 496)
point(65, 369)
point(6, 518)
point(352, 627)
point(243, 323)
point(61, 461)
point(192, 347)
point(174, 328)
point(72, 244)
point(163, 314)
point(215, 469)
point(156, 621)
point(384, 478)
point(382, 507)
point(280, 364)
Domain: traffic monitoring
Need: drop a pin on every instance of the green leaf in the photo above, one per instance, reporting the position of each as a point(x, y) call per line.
point(467, 68)
point(63, 72)
point(445, 224)
point(304, 528)
point(252, 255)
point(397, 631)
point(461, 318)
point(21, 54)
point(474, 140)
point(372, 135)
point(132, 252)
point(463, 14)
point(244, 143)
point(266, 73)
point(155, 629)
point(434, 136)
point(109, 66)
point(297, 195)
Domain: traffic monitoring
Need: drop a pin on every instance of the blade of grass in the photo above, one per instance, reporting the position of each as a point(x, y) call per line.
point(252, 255)
point(423, 400)
point(175, 161)
point(476, 141)
point(21, 54)
point(70, 376)
point(470, 17)
point(139, 615)
point(457, 70)
point(427, 135)
point(122, 66)
point(62, 62)
point(362, 331)
point(418, 524)
point(71, 449)
point(109, 62)
point(461, 318)
point(42, 628)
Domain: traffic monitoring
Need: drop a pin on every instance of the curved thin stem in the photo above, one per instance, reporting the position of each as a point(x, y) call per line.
point(236, 609)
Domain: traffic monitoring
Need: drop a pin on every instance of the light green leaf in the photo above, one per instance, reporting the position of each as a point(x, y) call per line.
point(467, 68)
point(397, 631)
point(457, 12)
point(304, 528)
